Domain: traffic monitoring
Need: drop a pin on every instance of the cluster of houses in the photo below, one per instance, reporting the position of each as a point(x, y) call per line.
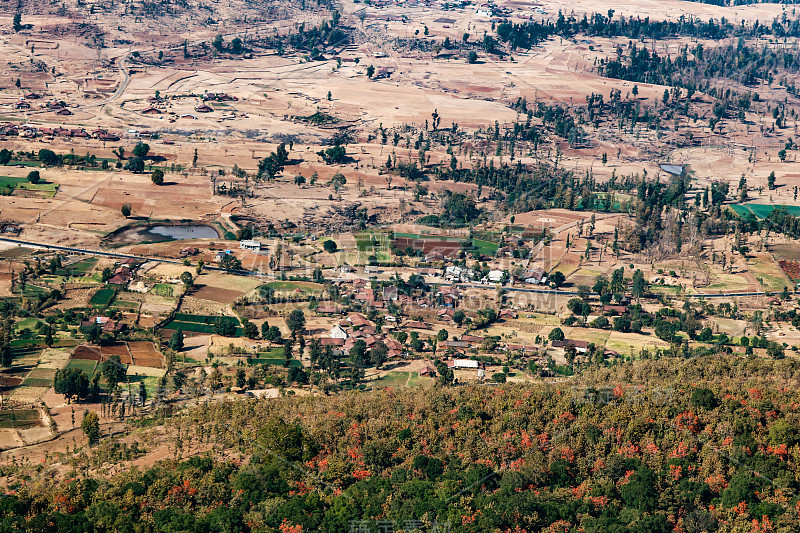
point(31, 131)
point(355, 327)
point(124, 273)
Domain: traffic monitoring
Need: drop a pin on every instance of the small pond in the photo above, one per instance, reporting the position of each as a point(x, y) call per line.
point(164, 232)
point(179, 233)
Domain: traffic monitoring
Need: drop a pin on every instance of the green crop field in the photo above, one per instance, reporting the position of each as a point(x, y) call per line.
point(274, 361)
point(88, 367)
point(441, 238)
point(485, 247)
point(19, 418)
point(77, 269)
point(201, 323)
point(103, 297)
point(162, 289)
point(763, 210)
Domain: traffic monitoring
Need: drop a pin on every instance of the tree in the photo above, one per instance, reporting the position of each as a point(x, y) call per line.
point(459, 317)
point(135, 165)
point(250, 329)
point(72, 383)
point(33, 176)
point(442, 335)
point(5, 156)
point(125, 210)
point(296, 321)
point(264, 329)
point(49, 157)
point(330, 246)
point(114, 371)
point(141, 149)
point(176, 341)
point(638, 284)
point(91, 427)
point(237, 45)
point(556, 335)
point(472, 57)
point(557, 278)
point(17, 23)
point(187, 278)
point(225, 326)
point(218, 43)
point(704, 398)
point(370, 71)
point(157, 176)
point(231, 263)
point(771, 180)
point(379, 354)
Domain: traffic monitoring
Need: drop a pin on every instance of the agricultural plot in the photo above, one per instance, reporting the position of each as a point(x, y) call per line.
point(485, 247)
point(39, 377)
point(19, 418)
point(163, 289)
point(768, 273)
point(145, 354)
point(103, 297)
point(216, 294)
point(87, 366)
point(120, 349)
point(15, 185)
point(200, 323)
point(762, 211)
point(81, 268)
point(791, 269)
point(87, 353)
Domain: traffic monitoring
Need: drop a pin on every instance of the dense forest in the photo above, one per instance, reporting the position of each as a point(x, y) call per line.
point(661, 444)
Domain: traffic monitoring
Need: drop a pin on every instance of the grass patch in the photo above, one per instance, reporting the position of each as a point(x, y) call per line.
point(395, 379)
point(88, 367)
point(163, 289)
point(77, 269)
point(485, 247)
point(201, 323)
point(103, 297)
point(19, 418)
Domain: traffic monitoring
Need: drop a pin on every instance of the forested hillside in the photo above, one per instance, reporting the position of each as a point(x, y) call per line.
point(708, 444)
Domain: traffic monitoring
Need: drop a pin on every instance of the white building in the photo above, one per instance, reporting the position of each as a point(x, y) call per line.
point(465, 363)
point(338, 332)
point(495, 276)
point(253, 246)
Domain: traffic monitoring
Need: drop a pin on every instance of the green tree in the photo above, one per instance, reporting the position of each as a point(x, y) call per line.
point(176, 341)
point(330, 246)
point(136, 165)
point(442, 335)
point(33, 176)
point(91, 427)
point(231, 263)
point(250, 329)
point(125, 210)
point(72, 383)
point(771, 180)
point(296, 321)
point(557, 278)
point(224, 326)
point(370, 71)
point(556, 334)
point(157, 176)
point(218, 43)
point(49, 158)
point(472, 57)
point(114, 371)
point(187, 279)
point(5, 156)
point(141, 150)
